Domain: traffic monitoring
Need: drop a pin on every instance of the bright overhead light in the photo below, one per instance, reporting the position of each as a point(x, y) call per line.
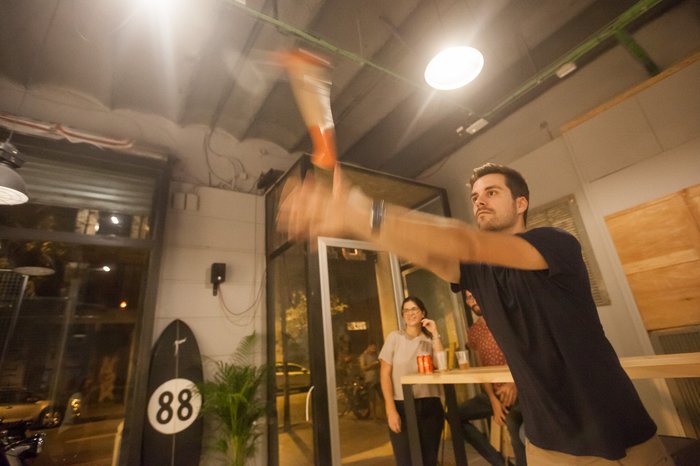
point(114, 219)
point(106, 268)
point(454, 67)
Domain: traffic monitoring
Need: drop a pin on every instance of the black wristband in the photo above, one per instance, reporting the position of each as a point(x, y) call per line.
point(377, 215)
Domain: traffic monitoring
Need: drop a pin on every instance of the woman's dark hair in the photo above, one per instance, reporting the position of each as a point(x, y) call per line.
point(514, 181)
point(422, 307)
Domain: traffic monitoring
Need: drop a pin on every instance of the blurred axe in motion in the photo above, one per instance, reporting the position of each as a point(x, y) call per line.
point(310, 80)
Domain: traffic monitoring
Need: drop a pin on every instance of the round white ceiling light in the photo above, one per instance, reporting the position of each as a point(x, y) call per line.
point(454, 67)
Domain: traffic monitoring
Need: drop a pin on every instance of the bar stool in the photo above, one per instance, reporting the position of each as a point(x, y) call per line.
point(500, 440)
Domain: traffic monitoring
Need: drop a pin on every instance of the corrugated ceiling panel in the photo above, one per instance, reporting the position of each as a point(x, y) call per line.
point(70, 185)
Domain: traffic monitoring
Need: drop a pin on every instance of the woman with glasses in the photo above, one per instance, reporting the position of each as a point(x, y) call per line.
point(398, 357)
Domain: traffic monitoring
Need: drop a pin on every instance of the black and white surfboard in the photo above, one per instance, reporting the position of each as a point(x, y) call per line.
point(172, 433)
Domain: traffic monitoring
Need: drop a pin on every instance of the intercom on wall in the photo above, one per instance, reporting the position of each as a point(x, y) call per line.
point(218, 275)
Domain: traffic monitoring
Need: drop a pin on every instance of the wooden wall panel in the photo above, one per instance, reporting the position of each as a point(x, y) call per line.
point(668, 297)
point(659, 246)
point(692, 197)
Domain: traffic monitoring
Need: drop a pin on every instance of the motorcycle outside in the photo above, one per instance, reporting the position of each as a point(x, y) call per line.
point(353, 397)
point(16, 448)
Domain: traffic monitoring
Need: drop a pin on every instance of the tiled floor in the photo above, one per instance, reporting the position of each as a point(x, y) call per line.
point(363, 443)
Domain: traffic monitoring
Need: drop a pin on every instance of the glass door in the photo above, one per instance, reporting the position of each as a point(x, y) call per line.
point(325, 305)
point(360, 294)
point(292, 387)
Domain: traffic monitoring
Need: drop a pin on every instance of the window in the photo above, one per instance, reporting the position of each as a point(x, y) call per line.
point(76, 263)
point(563, 213)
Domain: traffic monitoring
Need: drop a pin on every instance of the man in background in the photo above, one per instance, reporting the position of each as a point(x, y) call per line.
point(499, 400)
point(369, 363)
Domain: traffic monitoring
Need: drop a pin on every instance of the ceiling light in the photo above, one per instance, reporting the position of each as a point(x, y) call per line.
point(114, 219)
point(13, 190)
point(454, 67)
point(477, 125)
point(566, 69)
point(34, 263)
point(34, 270)
point(106, 268)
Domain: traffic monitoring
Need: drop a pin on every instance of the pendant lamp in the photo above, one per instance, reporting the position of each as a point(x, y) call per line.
point(13, 190)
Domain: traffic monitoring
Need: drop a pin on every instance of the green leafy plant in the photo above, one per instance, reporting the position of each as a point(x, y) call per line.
point(233, 399)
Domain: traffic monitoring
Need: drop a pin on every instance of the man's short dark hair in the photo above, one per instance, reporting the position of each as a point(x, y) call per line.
point(514, 180)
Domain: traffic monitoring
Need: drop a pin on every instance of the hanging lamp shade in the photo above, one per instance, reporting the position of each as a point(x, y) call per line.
point(34, 262)
point(13, 189)
point(34, 270)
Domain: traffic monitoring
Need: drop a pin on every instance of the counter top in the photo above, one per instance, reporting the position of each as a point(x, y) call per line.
point(660, 366)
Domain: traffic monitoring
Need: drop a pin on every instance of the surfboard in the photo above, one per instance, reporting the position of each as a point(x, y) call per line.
point(172, 431)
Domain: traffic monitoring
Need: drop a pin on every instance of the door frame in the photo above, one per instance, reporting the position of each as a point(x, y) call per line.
point(329, 360)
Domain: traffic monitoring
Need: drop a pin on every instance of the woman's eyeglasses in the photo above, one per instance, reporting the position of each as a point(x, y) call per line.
point(410, 310)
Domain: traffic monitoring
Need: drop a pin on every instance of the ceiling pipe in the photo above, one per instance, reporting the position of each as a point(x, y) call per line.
point(637, 52)
point(614, 29)
point(315, 40)
point(448, 144)
point(611, 30)
point(324, 44)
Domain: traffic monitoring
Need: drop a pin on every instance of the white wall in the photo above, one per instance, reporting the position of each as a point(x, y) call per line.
point(643, 148)
point(222, 226)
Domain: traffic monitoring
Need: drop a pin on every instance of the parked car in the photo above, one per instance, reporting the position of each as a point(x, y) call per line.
point(299, 377)
point(17, 404)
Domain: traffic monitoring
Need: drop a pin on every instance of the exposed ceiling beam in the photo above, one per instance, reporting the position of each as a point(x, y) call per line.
point(432, 144)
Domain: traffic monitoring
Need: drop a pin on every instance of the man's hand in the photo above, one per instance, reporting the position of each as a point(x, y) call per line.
point(499, 410)
point(507, 393)
point(312, 208)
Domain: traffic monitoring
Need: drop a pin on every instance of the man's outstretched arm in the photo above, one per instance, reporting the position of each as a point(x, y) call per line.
point(311, 209)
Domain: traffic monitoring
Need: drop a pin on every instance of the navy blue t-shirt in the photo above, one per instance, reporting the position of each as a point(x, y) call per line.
point(575, 396)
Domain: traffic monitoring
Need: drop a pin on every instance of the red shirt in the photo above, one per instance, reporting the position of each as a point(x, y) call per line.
point(481, 340)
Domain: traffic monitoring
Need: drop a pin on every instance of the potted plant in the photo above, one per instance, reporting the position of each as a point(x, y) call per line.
point(233, 399)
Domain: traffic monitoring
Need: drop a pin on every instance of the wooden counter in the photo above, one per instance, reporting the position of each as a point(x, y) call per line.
point(666, 366)
point(662, 366)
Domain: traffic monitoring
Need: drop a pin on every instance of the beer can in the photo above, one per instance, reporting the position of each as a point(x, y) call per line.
point(428, 364)
point(421, 364)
